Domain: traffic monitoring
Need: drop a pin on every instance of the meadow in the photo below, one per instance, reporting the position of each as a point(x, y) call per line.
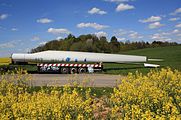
point(170, 55)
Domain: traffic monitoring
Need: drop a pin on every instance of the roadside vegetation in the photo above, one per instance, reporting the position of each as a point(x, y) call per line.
point(152, 96)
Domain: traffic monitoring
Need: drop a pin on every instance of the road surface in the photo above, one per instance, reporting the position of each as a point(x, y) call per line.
point(93, 80)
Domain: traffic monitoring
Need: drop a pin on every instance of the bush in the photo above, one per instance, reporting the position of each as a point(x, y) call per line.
point(17, 103)
point(153, 96)
point(156, 95)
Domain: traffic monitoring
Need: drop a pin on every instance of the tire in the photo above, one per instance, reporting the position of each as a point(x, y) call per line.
point(82, 70)
point(64, 70)
point(73, 70)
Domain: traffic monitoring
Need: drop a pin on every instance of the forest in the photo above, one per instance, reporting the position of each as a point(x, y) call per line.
point(92, 43)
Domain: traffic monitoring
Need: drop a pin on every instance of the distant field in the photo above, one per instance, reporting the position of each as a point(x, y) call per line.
point(5, 61)
point(171, 58)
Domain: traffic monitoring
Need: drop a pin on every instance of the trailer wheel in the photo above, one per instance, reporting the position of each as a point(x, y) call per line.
point(64, 70)
point(73, 70)
point(82, 70)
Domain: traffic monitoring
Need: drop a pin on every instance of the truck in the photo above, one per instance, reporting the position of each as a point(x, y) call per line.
point(73, 62)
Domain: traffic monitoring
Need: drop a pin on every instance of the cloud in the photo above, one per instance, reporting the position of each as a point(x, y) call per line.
point(160, 37)
point(117, 1)
point(135, 35)
point(97, 11)
point(151, 19)
point(58, 31)
point(101, 34)
point(127, 34)
point(174, 19)
point(10, 44)
point(155, 25)
point(14, 29)
point(3, 16)
point(44, 20)
point(121, 32)
point(121, 39)
point(178, 25)
point(42, 43)
point(92, 25)
point(177, 11)
point(59, 37)
point(176, 31)
point(35, 38)
point(123, 7)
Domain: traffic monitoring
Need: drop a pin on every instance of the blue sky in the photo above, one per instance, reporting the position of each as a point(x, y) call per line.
point(26, 24)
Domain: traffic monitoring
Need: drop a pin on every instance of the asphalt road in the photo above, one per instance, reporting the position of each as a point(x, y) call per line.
point(92, 80)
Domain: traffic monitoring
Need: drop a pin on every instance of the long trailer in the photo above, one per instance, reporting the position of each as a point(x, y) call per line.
point(55, 60)
point(66, 68)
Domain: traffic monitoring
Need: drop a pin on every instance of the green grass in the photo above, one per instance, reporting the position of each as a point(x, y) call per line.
point(171, 58)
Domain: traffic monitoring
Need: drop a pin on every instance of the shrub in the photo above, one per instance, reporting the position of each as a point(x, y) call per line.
point(156, 95)
point(152, 96)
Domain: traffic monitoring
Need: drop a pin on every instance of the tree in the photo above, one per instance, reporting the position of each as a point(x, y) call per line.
point(114, 45)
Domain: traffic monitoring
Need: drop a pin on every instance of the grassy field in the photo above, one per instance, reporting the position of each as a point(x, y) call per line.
point(171, 58)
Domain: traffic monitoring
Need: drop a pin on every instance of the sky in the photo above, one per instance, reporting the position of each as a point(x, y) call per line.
point(26, 24)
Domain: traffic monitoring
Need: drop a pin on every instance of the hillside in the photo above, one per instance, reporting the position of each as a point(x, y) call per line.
point(171, 55)
point(171, 58)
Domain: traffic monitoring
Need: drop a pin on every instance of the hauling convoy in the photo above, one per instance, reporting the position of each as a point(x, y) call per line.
point(74, 62)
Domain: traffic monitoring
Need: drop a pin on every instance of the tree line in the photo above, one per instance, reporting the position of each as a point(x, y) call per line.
point(92, 43)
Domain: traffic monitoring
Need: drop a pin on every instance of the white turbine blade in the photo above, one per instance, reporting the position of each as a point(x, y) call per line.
point(151, 65)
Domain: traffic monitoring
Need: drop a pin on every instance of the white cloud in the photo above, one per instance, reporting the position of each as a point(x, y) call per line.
point(3, 16)
point(59, 37)
point(177, 11)
point(135, 35)
point(42, 43)
point(117, 1)
point(127, 34)
point(97, 11)
point(176, 31)
point(92, 25)
point(160, 37)
point(151, 19)
point(44, 20)
point(178, 25)
point(14, 29)
point(10, 44)
point(174, 19)
point(35, 38)
point(123, 7)
point(155, 25)
point(121, 32)
point(101, 34)
point(58, 31)
point(121, 39)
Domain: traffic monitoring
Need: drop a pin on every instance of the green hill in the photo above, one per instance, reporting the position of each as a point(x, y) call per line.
point(171, 58)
